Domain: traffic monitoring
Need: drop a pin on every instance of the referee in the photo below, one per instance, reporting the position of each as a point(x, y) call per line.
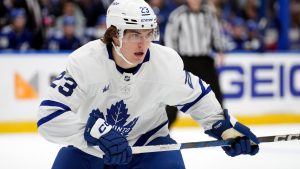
point(194, 31)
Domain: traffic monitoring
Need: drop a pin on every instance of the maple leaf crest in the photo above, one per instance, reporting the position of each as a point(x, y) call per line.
point(117, 116)
point(98, 113)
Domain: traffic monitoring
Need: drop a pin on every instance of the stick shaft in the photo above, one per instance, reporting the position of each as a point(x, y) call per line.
point(215, 143)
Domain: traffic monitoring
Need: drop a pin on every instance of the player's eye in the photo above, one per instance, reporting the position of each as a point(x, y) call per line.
point(149, 36)
point(135, 36)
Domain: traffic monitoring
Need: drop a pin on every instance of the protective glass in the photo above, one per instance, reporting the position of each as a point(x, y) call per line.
point(136, 37)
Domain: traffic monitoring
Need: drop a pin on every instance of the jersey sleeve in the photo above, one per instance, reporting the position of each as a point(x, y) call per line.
point(193, 96)
point(58, 118)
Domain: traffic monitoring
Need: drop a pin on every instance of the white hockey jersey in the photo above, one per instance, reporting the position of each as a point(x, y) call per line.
point(133, 103)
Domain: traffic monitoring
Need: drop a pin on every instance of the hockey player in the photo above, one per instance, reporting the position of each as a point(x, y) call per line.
point(113, 93)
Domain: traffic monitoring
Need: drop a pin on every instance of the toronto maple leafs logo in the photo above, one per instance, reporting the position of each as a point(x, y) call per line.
point(117, 116)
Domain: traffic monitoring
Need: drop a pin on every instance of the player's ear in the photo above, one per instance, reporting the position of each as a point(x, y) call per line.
point(116, 40)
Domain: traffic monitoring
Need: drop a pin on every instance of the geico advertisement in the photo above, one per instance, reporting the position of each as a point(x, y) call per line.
point(261, 83)
point(251, 83)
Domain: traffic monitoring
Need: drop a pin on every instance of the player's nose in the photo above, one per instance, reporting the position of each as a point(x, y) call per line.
point(142, 43)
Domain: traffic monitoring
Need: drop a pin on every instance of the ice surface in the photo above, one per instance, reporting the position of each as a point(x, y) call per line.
point(31, 151)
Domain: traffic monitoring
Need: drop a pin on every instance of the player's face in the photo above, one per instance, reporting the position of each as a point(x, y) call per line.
point(135, 44)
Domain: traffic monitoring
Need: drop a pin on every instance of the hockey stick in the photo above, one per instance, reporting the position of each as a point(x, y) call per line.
point(202, 144)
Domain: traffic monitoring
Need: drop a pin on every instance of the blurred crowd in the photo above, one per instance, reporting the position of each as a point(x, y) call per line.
point(58, 25)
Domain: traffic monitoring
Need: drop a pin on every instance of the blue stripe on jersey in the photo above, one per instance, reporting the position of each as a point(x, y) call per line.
point(201, 85)
point(51, 116)
point(204, 92)
point(52, 103)
point(144, 138)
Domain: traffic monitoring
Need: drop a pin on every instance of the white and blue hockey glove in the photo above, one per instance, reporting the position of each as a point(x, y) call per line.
point(112, 143)
point(244, 141)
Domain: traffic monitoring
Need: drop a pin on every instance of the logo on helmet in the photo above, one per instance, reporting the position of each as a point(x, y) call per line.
point(146, 20)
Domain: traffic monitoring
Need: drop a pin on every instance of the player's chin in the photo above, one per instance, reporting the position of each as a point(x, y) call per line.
point(137, 62)
point(139, 59)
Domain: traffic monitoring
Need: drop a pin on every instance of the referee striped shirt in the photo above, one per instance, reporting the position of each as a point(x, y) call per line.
point(193, 33)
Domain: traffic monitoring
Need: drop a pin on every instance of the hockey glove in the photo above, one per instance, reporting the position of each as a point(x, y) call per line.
point(112, 143)
point(245, 142)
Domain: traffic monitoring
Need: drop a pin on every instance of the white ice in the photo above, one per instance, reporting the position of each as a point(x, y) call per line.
point(31, 151)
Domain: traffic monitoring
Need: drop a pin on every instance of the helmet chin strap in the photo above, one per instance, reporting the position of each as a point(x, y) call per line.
point(118, 50)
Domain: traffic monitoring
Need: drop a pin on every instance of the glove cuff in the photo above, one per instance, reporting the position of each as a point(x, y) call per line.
point(95, 128)
point(230, 128)
point(218, 128)
point(100, 128)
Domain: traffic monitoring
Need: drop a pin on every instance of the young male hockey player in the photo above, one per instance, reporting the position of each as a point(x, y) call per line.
point(113, 93)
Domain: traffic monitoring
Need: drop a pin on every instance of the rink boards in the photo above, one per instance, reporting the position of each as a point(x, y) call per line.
point(258, 88)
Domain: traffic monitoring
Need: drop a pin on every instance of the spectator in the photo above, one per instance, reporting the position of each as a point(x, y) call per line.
point(34, 21)
point(3, 13)
point(162, 9)
point(294, 33)
point(70, 8)
point(66, 40)
point(91, 10)
point(95, 32)
point(49, 11)
point(271, 32)
point(51, 8)
point(239, 34)
point(218, 7)
point(16, 36)
point(251, 10)
point(254, 41)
